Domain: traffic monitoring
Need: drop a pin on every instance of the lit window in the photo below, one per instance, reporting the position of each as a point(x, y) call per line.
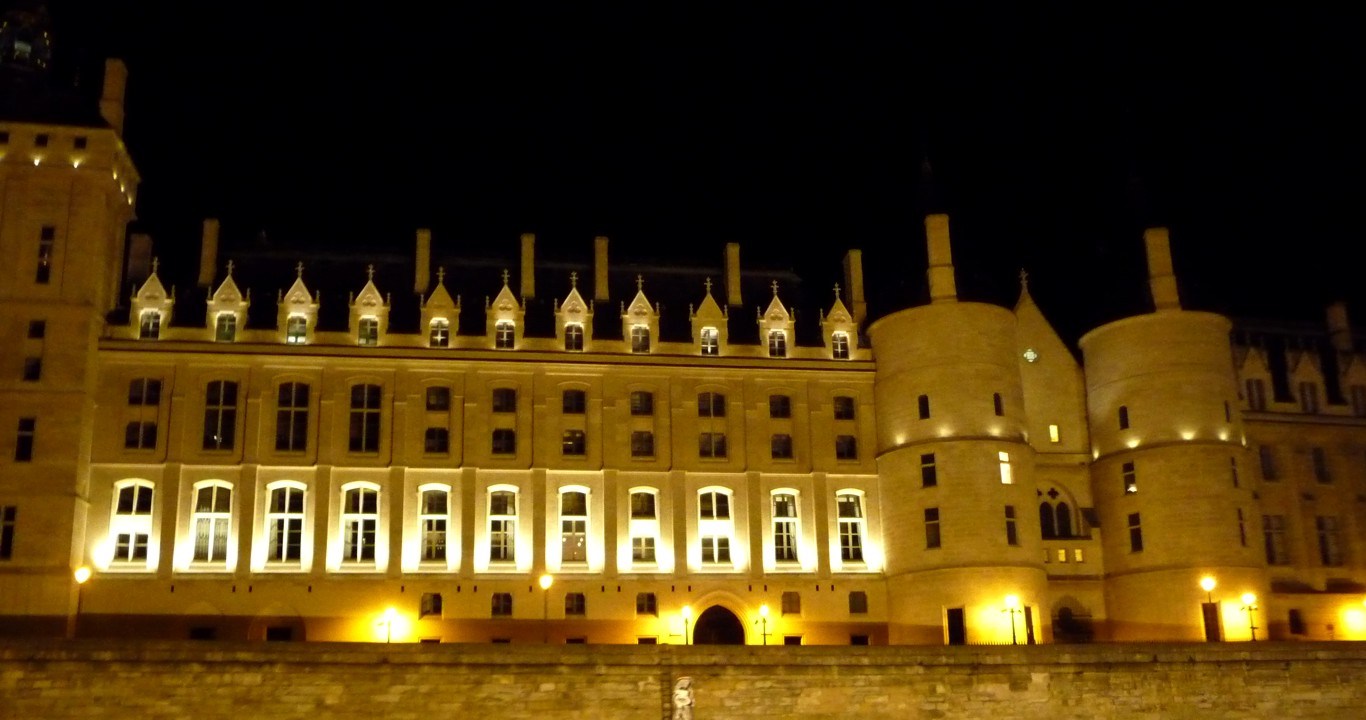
point(504, 335)
point(285, 523)
point(360, 524)
point(573, 337)
point(220, 415)
point(502, 526)
point(435, 514)
point(785, 527)
point(711, 341)
point(839, 345)
point(644, 526)
point(1007, 477)
point(844, 407)
point(296, 330)
point(574, 526)
point(1052, 433)
point(777, 343)
point(367, 332)
point(850, 510)
point(780, 447)
point(504, 441)
point(504, 400)
point(365, 418)
point(642, 444)
point(573, 443)
point(149, 325)
point(642, 403)
point(212, 519)
point(640, 339)
point(131, 525)
point(225, 327)
point(1130, 475)
point(439, 333)
point(715, 526)
point(291, 417)
point(643, 506)
point(846, 447)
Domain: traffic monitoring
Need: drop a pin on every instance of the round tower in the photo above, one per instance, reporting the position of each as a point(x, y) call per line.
point(1167, 478)
point(960, 531)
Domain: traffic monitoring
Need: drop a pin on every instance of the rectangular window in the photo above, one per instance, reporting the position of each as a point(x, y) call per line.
point(846, 447)
point(296, 330)
point(1320, 460)
point(792, 603)
point(642, 403)
point(504, 335)
point(779, 406)
point(574, 526)
point(360, 521)
point(711, 445)
point(291, 417)
point(780, 447)
point(430, 605)
point(1053, 434)
point(435, 507)
point(41, 139)
point(79, 142)
point(504, 400)
point(929, 475)
point(1273, 534)
point(33, 369)
point(23, 443)
point(575, 604)
point(923, 405)
point(1256, 394)
point(140, 435)
point(47, 240)
point(574, 402)
point(642, 444)
point(643, 549)
point(220, 415)
point(1242, 529)
point(1007, 476)
point(149, 325)
point(502, 526)
point(643, 505)
point(785, 527)
point(144, 392)
point(573, 443)
point(130, 547)
point(715, 549)
point(8, 521)
point(849, 508)
point(37, 329)
point(502, 605)
point(1123, 417)
point(858, 603)
point(1330, 541)
point(365, 418)
point(1309, 397)
point(839, 345)
point(998, 404)
point(1130, 476)
point(714, 506)
point(711, 341)
point(438, 399)
point(225, 327)
point(640, 339)
point(504, 442)
point(1012, 535)
point(932, 539)
point(573, 337)
point(711, 405)
point(212, 518)
point(777, 343)
point(285, 520)
point(844, 407)
point(647, 604)
point(1268, 460)
point(436, 441)
point(439, 333)
point(1233, 470)
point(1135, 533)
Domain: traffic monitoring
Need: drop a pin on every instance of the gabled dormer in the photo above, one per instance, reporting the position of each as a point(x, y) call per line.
point(574, 319)
point(640, 322)
point(1353, 382)
point(440, 314)
point(710, 332)
point(775, 326)
point(369, 312)
point(298, 312)
point(839, 330)
point(151, 306)
point(1306, 379)
point(227, 311)
point(1254, 375)
point(503, 318)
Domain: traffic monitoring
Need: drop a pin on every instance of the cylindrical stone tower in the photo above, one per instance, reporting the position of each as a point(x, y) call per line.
point(1168, 480)
point(958, 504)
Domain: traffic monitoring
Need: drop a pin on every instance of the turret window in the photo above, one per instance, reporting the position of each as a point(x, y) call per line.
point(1012, 533)
point(149, 325)
point(923, 405)
point(711, 341)
point(504, 335)
point(640, 339)
point(777, 343)
point(998, 404)
point(1007, 475)
point(1130, 476)
point(1135, 533)
point(225, 327)
point(439, 333)
point(368, 332)
point(573, 337)
point(929, 474)
point(47, 239)
point(296, 330)
point(839, 345)
point(1123, 417)
point(932, 539)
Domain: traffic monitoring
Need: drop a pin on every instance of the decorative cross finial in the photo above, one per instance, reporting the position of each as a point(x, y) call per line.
point(155, 263)
point(708, 283)
point(837, 291)
point(775, 288)
point(370, 271)
point(640, 284)
point(1024, 279)
point(299, 270)
point(440, 275)
point(505, 277)
point(574, 280)
point(231, 265)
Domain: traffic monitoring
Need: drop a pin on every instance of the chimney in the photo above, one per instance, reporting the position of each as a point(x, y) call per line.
point(111, 98)
point(733, 274)
point(139, 264)
point(1339, 330)
point(600, 293)
point(422, 270)
point(528, 266)
point(943, 286)
point(1161, 277)
point(853, 284)
point(208, 253)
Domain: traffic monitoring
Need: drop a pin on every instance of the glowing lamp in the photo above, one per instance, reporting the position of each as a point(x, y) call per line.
point(1249, 599)
point(546, 581)
point(1207, 584)
point(1013, 602)
point(82, 574)
point(763, 611)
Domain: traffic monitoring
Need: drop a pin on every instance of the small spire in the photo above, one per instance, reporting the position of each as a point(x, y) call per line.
point(574, 280)
point(156, 262)
point(440, 275)
point(640, 284)
point(370, 271)
point(775, 288)
point(505, 277)
point(299, 270)
point(708, 284)
point(231, 265)
point(837, 291)
point(1024, 280)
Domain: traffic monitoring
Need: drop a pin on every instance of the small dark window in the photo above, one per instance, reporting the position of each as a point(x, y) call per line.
point(929, 475)
point(923, 402)
point(47, 232)
point(79, 142)
point(574, 402)
point(438, 398)
point(502, 604)
point(504, 400)
point(431, 605)
point(575, 604)
point(1135, 533)
point(1123, 417)
point(996, 402)
point(646, 603)
point(932, 539)
point(844, 407)
point(436, 441)
point(40, 140)
point(858, 603)
point(1296, 622)
point(647, 641)
point(780, 447)
point(33, 369)
point(279, 633)
point(792, 603)
point(504, 442)
point(858, 639)
point(1320, 460)
point(642, 444)
point(792, 639)
point(642, 403)
point(4, 137)
point(779, 406)
point(846, 447)
point(203, 633)
point(573, 442)
point(576, 641)
point(23, 444)
point(37, 329)
point(1012, 534)
point(710, 404)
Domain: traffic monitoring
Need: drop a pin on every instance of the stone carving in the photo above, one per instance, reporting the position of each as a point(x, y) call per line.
point(683, 699)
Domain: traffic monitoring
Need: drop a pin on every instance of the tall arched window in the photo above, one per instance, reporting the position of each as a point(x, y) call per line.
point(502, 525)
point(1046, 521)
point(131, 524)
point(574, 525)
point(285, 523)
point(365, 418)
point(359, 523)
point(434, 519)
point(212, 520)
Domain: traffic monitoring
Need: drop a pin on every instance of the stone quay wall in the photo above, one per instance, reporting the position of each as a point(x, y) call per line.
point(52, 679)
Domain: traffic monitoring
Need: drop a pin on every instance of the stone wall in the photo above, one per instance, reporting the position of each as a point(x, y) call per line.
point(208, 680)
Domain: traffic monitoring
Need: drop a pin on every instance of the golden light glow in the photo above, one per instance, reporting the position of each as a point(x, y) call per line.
point(36, 160)
point(763, 611)
point(76, 163)
point(391, 626)
point(687, 612)
point(1207, 583)
point(1052, 433)
point(1013, 602)
point(1354, 624)
point(1187, 434)
point(1249, 599)
point(1133, 443)
point(82, 574)
point(1223, 435)
point(546, 581)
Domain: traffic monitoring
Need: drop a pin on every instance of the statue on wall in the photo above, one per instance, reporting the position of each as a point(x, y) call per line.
point(683, 700)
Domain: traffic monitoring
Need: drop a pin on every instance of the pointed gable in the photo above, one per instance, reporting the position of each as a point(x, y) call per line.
point(369, 312)
point(710, 331)
point(640, 322)
point(574, 319)
point(151, 306)
point(440, 314)
point(775, 326)
point(297, 317)
point(838, 329)
point(503, 318)
point(227, 309)
point(1051, 380)
point(1306, 379)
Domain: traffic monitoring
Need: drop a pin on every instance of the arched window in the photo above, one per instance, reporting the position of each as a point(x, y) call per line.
point(131, 525)
point(440, 333)
point(225, 327)
point(715, 525)
point(360, 523)
point(435, 514)
point(573, 337)
point(1064, 514)
point(849, 507)
point(1046, 523)
point(644, 525)
point(574, 525)
point(212, 520)
point(502, 525)
point(285, 523)
point(785, 526)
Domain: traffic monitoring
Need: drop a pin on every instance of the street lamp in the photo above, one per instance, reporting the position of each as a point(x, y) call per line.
point(1250, 606)
point(389, 614)
point(1207, 584)
point(687, 616)
point(763, 620)
point(546, 582)
point(1209, 610)
point(81, 575)
point(1012, 607)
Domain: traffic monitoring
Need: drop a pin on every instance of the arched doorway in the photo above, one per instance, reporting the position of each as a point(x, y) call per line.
point(718, 626)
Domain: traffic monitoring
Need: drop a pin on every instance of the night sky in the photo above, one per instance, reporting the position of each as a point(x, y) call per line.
point(796, 129)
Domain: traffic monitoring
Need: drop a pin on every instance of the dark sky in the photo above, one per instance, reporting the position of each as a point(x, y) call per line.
point(795, 129)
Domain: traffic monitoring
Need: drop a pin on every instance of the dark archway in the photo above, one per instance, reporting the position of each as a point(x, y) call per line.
point(718, 626)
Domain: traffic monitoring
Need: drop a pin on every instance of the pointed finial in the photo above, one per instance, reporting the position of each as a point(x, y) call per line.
point(299, 270)
point(440, 275)
point(775, 288)
point(574, 280)
point(231, 265)
point(505, 277)
point(1024, 280)
point(708, 284)
point(640, 284)
point(837, 291)
point(156, 262)
point(370, 271)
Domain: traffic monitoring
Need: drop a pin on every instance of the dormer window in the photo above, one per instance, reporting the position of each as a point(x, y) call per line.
point(225, 327)
point(440, 333)
point(640, 339)
point(367, 332)
point(573, 337)
point(711, 341)
point(839, 345)
point(777, 343)
point(504, 337)
point(149, 325)
point(296, 330)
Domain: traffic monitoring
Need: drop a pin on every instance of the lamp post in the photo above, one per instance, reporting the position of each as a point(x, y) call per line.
point(81, 575)
point(1012, 607)
point(1209, 610)
point(1250, 606)
point(546, 582)
point(389, 614)
point(687, 616)
point(1207, 584)
point(763, 620)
